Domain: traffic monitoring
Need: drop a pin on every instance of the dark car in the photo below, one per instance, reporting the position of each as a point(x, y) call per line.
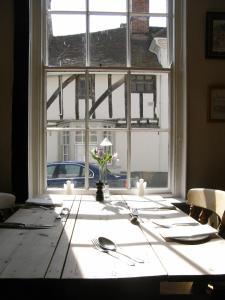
point(59, 172)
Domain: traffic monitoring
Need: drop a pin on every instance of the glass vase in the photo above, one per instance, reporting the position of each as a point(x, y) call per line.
point(106, 192)
point(103, 179)
point(102, 175)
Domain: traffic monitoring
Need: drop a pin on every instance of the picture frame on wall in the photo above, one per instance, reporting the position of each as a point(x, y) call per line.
point(216, 107)
point(215, 35)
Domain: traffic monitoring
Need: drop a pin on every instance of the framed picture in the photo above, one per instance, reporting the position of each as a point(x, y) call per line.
point(216, 111)
point(215, 35)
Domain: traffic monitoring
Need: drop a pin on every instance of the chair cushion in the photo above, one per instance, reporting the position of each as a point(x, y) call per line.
point(7, 200)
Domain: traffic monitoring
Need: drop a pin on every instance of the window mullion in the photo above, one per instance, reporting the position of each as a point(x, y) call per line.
point(128, 130)
point(170, 26)
point(128, 36)
point(86, 129)
point(87, 96)
point(87, 34)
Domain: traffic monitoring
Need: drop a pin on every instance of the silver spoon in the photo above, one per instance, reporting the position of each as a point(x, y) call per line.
point(98, 247)
point(111, 246)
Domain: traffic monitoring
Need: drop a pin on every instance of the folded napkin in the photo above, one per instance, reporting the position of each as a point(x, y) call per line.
point(154, 198)
point(149, 205)
point(45, 201)
point(187, 231)
point(175, 221)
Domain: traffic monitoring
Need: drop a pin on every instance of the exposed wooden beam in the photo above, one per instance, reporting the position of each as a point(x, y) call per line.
point(57, 91)
point(105, 94)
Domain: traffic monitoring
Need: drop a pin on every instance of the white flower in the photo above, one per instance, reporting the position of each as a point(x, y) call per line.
point(115, 155)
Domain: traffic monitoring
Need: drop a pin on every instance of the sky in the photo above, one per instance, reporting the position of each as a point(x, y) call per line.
point(70, 24)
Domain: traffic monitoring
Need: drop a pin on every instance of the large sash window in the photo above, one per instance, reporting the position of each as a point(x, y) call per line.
point(109, 72)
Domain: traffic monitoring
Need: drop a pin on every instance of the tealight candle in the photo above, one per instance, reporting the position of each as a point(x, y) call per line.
point(141, 185)
point(68, 187)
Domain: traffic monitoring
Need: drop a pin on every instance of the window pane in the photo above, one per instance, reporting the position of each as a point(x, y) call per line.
point(56, 146)
point(64, 25)
point(157, 6)
point(148, 42)
point(107, 41)
point(149, 158)
point(107, 5)
point(72, 170)
point(139, 6)
point(50, 171)
point(77, 5)
point(79, 137)
point(158, 22)
point(146, 6)
point(66, 100)
point(149, 101)
point(117, 178)
point(53, 149)
point(65, 163)
point(66, 40)
point(66, 171)
point(109, 106)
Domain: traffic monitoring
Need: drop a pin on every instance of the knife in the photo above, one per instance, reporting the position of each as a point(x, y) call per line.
point(158, 208)
point(16, 225)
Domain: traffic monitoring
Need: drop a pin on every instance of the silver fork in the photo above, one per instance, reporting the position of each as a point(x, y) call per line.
point(98, 247)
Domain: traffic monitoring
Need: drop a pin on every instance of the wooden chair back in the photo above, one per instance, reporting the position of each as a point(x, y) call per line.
point(204, 203)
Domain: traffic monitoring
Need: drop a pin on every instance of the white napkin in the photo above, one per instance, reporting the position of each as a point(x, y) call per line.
point(150, 205)
point(187, 231)
point(154, 197)
point(45, 201)
point(175, 221)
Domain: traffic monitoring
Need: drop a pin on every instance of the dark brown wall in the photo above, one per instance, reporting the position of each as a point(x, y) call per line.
point(206, 140)
point(6, 90)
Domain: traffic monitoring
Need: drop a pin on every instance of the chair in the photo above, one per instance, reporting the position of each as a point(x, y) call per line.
point(7, 200)
point(208, 206)
point(7, 204)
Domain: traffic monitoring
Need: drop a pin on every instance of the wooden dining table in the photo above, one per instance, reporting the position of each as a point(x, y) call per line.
point(63, 258)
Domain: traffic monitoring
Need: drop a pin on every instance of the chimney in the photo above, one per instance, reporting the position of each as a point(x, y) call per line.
point(140, 24)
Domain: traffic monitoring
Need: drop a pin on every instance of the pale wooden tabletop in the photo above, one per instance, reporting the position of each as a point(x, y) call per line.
point(66, 250)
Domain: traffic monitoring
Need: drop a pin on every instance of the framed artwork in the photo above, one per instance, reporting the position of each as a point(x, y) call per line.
point(215, 35)
point(216, 108)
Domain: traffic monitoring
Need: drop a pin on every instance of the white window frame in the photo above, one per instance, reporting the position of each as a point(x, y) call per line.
point(37, 113)
point(65, 144)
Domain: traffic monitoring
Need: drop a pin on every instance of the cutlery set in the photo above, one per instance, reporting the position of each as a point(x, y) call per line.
point(63, 214)
point(98, 247)
point(135, 218)
point(105, 245)
point(17, 225)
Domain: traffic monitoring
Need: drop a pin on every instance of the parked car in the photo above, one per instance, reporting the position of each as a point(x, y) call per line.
point(59, 172)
